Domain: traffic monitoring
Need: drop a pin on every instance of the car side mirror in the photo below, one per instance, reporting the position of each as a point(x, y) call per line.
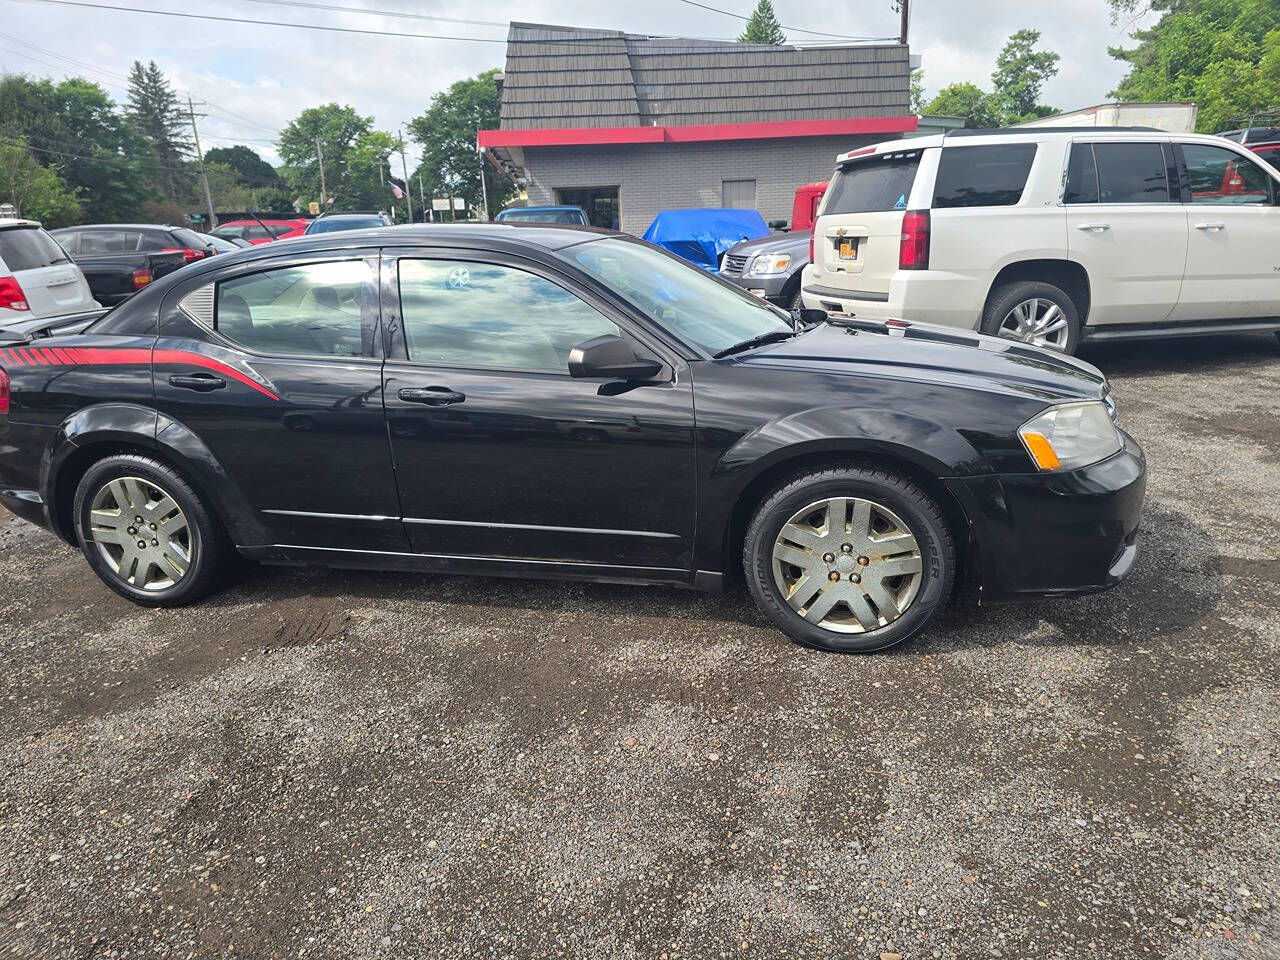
point(610, 357)
point(777, 225)
point(809, 317)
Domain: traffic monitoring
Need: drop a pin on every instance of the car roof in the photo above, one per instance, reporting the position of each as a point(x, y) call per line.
point(355, 214)
point(988, 136)
point(249, 223)
point(545, 206)
point(118, 226)
point(9, 223)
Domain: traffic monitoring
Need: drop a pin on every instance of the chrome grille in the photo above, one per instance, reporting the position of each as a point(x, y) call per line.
point(733, 264)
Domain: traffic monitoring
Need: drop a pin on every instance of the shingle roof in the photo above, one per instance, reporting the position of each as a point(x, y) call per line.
point(570, 77)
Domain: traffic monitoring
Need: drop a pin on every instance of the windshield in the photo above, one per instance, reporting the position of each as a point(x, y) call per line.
point(689, 302)
point(354, 223)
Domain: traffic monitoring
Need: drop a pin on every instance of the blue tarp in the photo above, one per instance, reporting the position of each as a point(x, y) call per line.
point(701, 236)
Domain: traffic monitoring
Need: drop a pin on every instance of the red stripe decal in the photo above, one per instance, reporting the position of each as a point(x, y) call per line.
point(63, 355)
point(199, 360)
point(50, 357)
point(12, 357)
point(27, 357)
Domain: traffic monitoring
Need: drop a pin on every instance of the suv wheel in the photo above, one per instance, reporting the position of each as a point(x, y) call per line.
point(146, 532)
point(852, 559)
point(796, 305)
point(1033, 312)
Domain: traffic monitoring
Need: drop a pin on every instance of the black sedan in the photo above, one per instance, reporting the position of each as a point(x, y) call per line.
point(560, 402)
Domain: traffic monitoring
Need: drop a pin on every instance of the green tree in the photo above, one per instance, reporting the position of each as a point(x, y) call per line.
point(964, 100)
point(447, 133)
point(917, 92)
point(763, 26)
point(1020, 74)
point(338, 129)
point(251, 170)
point(1222, 54)
point(154, 111)
point(36, 191)
point(74, 128)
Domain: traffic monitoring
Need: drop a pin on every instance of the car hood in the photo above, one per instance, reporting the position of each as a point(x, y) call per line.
point(774, 243)
point(937, 355)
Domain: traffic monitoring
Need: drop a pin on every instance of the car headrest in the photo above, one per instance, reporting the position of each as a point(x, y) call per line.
point(233, 314)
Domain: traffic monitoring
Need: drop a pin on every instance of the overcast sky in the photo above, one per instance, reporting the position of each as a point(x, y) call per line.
point(257, 78)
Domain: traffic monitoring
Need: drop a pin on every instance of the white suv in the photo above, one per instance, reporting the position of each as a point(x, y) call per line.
point(38, 279)
point(1052, 236)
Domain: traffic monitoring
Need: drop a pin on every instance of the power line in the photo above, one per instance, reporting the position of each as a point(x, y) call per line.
point(94, 68)
point(116, 161)
point(382, 13)
point(816, 33)
point(264, 23)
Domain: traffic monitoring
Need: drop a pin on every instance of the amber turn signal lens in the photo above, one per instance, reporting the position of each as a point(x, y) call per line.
point(1040, 449)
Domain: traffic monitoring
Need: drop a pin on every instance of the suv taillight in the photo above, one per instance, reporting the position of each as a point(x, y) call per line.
point(141, 278)
point(188, 254)
point(11, 294)
point(4, 392)
point(913, 254)
point(812, 231)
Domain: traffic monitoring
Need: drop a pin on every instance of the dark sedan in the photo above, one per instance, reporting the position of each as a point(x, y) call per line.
point(558, 402)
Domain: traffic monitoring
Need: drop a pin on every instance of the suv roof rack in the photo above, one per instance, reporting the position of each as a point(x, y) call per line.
point(1029, 131)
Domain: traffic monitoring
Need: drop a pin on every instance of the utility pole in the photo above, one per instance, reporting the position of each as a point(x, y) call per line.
point(904, 12)
point(208, 197)
point(422, 198)
point(324, 197)
point(404, 166)
point(484, 189)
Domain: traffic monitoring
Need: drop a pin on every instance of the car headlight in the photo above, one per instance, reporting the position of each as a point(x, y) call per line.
point(1071, 435)
point(768, 263)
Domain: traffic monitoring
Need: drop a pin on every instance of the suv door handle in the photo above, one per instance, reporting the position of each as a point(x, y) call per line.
point(200, 382)
point(1094, 227)
point(1207, 225)
point(431, 396)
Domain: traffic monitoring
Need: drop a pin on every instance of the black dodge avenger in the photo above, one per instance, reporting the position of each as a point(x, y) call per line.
point(546, 401)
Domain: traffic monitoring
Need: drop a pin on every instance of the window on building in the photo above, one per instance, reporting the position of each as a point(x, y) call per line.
point(313, 310)
point(983, 176)
point(738, 194)
point(601, 203)
point(472, 314)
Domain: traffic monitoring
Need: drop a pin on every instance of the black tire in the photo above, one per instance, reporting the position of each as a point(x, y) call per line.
point(796, 304)
point(208, 546)
point(906, 499)
point(1005, 297)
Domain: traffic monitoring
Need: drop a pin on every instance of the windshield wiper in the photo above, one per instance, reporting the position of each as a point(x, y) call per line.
point(773, 336)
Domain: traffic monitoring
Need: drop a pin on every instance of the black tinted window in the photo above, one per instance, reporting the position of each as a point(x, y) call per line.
point(983, 176)
point(877, 183)
point(307, 311)
point(1217, 175)
point(484, 315)
point(189, 238)
point(29, 248)
point(1131, 173)
point(1082, 175)
point(104, 242)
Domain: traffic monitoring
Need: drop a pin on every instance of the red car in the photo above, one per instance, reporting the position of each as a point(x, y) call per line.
point(263, 231)
point(1269, 152)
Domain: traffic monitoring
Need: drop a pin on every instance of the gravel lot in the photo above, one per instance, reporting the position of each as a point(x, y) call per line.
point(353, 765)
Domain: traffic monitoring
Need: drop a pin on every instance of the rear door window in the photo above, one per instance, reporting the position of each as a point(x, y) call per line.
point(29, 248)
point(988, 176)
point(878, 183)
point(1131, 173)
point(106, 242)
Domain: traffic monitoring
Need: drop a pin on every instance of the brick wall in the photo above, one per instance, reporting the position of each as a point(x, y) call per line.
point(666, 176)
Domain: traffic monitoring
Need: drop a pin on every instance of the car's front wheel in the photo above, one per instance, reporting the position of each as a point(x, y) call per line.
point(146, 532)
point(849, 558)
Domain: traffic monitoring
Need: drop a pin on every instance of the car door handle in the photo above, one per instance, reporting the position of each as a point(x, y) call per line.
point(431, 396)
point(1209, 225)
point(1093, 227)
point(201, 382)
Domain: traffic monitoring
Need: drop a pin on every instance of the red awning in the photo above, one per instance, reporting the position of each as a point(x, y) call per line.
point(695, 133)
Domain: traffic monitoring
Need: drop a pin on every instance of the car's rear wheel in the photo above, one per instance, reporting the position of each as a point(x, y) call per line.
point(853, 559)
point(146, 532)
point(1034, 312)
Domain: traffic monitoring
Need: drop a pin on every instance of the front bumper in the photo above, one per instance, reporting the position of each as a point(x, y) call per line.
point(771, 287)
point(1052, 534)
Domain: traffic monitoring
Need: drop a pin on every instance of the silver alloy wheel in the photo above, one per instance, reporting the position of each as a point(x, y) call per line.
point(141, 532)
point(1038, 322)
point(848, 565)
